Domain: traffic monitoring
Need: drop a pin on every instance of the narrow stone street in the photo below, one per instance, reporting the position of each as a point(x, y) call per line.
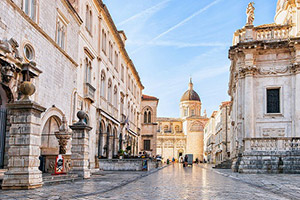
point(172, 182)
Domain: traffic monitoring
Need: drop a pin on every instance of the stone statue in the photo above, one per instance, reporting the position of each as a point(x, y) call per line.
point(10, 47)
point(250, 14)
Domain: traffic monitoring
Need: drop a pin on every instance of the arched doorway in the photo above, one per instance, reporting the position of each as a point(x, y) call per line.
point(3, 119)
point(49, 144)
point(180, 155)
point(101, 140)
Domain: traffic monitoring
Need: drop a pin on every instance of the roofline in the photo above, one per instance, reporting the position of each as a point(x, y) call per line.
point(120, 42)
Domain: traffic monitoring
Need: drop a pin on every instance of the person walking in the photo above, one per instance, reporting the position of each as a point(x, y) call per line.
point(185, 161)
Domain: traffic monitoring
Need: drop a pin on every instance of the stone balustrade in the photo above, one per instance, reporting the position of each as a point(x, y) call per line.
point(271, 144)
point(262, 34)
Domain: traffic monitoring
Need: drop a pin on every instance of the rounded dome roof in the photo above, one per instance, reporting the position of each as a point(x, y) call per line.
point(190, 94)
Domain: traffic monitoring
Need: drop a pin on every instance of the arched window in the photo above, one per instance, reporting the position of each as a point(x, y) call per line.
point(166, 128)
point(109, 92)
point(149, 117)
point(115, 96)
point(177, 128)
point(102, 90)
point(145, 117)
point(29, 7)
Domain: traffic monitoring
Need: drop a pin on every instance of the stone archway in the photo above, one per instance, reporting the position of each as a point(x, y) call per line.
point(49, 143)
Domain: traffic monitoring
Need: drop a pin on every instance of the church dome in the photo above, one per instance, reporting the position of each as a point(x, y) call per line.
point(190, 94)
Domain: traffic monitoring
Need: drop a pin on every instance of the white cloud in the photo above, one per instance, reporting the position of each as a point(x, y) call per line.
point(146, 13)
point(177, 44)
point(187, 19)
point(179, 24)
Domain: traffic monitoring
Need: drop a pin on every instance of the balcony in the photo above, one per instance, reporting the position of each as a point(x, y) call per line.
point(89, 92)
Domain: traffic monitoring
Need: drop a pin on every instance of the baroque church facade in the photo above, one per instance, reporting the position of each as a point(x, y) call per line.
point(265, 91)
point(176, 137)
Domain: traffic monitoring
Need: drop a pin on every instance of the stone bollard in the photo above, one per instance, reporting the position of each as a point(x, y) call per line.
point(80, 147)
point(24, 146)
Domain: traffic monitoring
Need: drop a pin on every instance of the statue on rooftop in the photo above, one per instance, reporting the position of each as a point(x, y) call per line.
point(250, 14)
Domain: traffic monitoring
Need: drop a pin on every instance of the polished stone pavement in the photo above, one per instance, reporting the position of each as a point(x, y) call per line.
point(172, 182)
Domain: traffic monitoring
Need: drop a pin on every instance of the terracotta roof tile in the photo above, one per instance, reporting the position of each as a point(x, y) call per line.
point(147, 97)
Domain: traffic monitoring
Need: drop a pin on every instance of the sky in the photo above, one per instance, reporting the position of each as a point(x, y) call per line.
point(170, 41)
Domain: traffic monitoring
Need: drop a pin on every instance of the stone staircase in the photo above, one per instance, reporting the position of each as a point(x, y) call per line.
point(224, 165)
point(49, 179)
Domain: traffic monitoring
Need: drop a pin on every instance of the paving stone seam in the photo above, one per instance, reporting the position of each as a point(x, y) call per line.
point(120, 185)
point(273, 190)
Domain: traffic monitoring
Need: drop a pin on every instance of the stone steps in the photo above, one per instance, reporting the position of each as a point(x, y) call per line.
point(2, 171)
point(224, 165)
point(49, 179)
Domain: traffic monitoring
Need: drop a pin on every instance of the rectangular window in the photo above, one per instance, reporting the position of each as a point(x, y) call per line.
point(273, 100)
point(116, 61)
point(128, 84)
point(147, 145)
point(185, 112)
point(29, 7)
point(110, 50)
point(122, 73)
point(193, 112)
point(103, 41)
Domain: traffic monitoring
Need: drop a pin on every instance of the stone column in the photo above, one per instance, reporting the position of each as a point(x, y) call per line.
point(80, 147)
point(110, 146)
point(249, 71)
point(24, 146)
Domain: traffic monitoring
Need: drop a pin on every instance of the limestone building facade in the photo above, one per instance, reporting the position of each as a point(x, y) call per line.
point(179, 136)
point(264, 88)
point(217, 135)
point(148, 137)
point(76, 58)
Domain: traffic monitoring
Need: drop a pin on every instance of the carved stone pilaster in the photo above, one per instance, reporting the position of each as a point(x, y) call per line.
point(247, 70)
point(295, 68)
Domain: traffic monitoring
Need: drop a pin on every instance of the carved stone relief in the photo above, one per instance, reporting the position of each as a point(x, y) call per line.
point(273, 132)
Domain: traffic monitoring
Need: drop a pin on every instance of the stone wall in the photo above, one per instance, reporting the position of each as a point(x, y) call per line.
point(270, 162)
point(125, 164)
